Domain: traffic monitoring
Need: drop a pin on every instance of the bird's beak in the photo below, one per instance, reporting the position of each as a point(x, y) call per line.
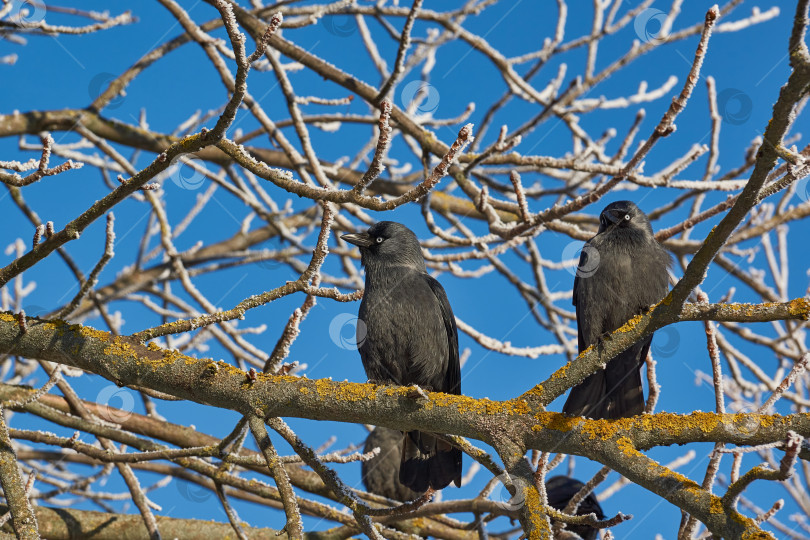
point(358, 239)
point(615, 216)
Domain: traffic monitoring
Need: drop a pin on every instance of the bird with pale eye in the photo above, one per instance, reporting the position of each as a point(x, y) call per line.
point(410, 338)
point(631, 275)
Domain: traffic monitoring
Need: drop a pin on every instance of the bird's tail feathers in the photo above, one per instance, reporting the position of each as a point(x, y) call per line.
point(626, 397)
point(428, 462)
point(600, 396)
point(588, 398)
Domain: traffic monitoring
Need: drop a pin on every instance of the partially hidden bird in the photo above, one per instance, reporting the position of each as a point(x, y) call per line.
point(560, 491)
point(380, 474)
point(407, 335)
point(622, 272)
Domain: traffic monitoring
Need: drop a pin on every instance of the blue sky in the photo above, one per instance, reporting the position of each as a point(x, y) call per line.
point(68, 71)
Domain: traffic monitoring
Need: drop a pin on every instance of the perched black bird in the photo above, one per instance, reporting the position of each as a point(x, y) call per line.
point(381, 473)
point(622, 271)
point(408, 336)
point(560, 490)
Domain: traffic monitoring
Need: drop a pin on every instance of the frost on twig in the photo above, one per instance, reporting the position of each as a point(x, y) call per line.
point(42, 169)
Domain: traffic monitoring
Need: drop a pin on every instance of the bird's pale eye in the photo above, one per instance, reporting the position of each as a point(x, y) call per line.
point(380, 239)
point(627, 217)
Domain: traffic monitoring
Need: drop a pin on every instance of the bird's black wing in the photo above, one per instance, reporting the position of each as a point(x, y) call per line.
point(429, 461)
point(583, 259)
point(452, 378)
point(588, 397)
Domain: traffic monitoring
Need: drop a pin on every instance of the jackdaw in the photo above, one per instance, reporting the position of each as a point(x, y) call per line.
point(560, 490)
point(380, 474)
point(407, 335)
point(622, 272)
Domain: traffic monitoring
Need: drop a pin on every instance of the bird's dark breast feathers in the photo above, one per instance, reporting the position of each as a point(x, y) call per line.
point(630, 277)
point(405, 340)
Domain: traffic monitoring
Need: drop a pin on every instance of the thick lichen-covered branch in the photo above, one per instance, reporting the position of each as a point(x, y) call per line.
point(127, 362)
point(684, 493)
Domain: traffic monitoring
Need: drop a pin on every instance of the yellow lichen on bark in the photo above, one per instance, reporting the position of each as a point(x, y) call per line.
point(627, 448)
point(536, 392)
point(630, 325)
point(171, 356)
point(120, 348)
point(536, 516)
point(716, 505)
point(86, 331)
point(672, 424)
point(800, 307)
point(483, 406)
point(562, 370)
point(347, 392)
